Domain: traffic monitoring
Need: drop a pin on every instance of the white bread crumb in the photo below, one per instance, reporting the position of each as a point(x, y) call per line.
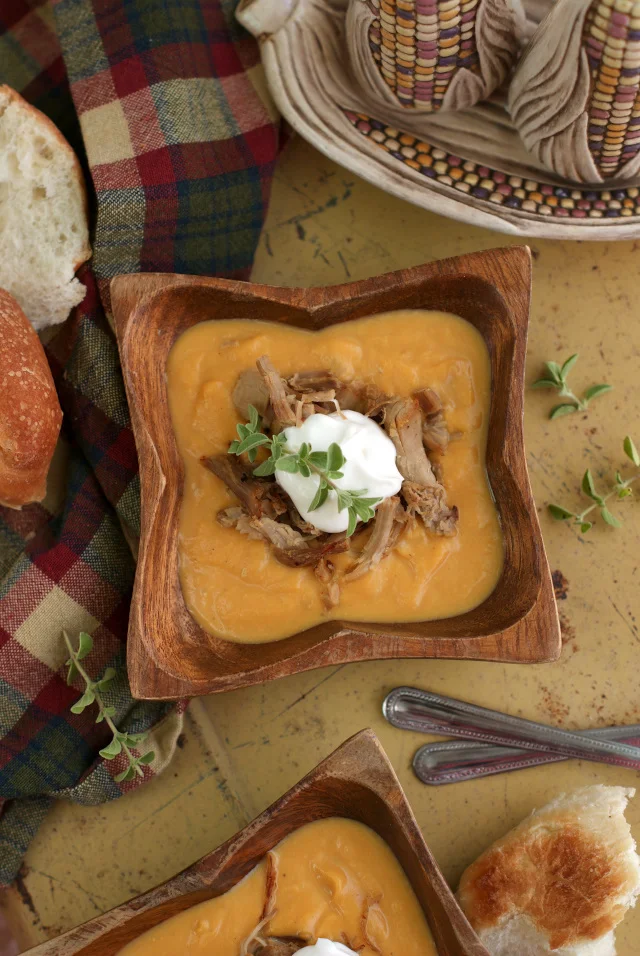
point(43, 219)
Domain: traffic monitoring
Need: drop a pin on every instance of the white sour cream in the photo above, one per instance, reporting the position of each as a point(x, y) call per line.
point(370, 465)
point(326, 947)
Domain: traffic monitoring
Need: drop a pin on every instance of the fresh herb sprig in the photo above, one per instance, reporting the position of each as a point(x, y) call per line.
point(621, 489)
point(556, 377)
point(325, 464)
point(122, 742)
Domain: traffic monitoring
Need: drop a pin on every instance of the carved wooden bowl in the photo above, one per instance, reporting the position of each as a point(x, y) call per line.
point(358, 782)
point(169, 655)
point(467, 161)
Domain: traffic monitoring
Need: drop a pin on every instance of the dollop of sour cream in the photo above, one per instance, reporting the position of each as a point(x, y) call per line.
point(370, 465)
point(327, 947)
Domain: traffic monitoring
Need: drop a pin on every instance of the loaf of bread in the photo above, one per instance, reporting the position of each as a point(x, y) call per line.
point(559, 882)
point(43, 213)
point(30, 414)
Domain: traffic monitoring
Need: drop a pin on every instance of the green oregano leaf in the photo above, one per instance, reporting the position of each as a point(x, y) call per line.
point(559, 410)
point(111, 750)
point(127, 774)
point(596, 390)
point(544, 383)
point(254, 417)
point(86, 700)
point(586, 526)
point(631, 451)
point(610, 518)
point(554, 371)
point(335, 458)
point(589, 488)
point(288, 463)
point(568, 365)
point(559, 513)
point(353, 521)
point(85, 645)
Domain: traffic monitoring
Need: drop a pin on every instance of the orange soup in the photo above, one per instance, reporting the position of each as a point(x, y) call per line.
point(335, 879)
point(232, 585)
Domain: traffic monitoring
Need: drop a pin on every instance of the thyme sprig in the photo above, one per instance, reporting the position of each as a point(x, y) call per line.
point(121, 742)
point(325, 464)
point(556, 377)
point(621, 489)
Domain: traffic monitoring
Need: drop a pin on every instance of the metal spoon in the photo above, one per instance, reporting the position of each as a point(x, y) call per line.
point(456, 760)
point(413, 709)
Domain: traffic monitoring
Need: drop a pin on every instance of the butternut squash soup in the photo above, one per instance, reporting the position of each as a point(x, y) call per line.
point(333, 883)
point(337, 474)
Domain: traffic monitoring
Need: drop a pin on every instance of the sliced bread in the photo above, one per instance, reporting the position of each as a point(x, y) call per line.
point(44, 234)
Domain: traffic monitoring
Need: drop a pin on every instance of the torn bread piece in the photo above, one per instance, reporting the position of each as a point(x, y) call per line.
point(43, 213)
point(560, 882)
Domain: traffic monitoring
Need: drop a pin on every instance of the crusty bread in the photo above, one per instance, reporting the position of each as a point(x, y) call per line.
point(559, 882)
point(30, 414)
point(43, 213)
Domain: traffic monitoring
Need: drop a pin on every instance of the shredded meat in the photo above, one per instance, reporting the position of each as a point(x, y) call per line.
point(251, 389)
point(294, 550)
point(361, 397)
point(369, 942)
point(421, 490)
point(403, 423)
point(415, 425)
point(289, 546)
point(435, 433)
point(389, 523)
point(235, 517)
point(257, 497)
point(281, 946)
point(258, 945)
point(431, 505)
point(326, 574)
point(283, 414)
point(316, 380)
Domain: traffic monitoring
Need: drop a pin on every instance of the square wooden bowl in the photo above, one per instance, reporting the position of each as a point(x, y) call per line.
point(169, 654)
point(358, 782)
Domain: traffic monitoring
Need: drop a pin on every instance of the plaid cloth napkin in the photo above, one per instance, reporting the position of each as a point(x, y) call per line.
point(165, 103)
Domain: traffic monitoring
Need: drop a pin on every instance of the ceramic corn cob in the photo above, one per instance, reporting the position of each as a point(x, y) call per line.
point(433, 54)
point(575, 97)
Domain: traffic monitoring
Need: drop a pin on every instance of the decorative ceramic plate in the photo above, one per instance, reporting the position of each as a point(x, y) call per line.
point(469, 165)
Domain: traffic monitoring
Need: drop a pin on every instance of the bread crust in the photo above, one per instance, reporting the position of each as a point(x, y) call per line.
point(30, 413)
point(570, 870)
point(43, 120)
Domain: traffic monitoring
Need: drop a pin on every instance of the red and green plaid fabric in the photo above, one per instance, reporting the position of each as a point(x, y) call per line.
point(165, 103)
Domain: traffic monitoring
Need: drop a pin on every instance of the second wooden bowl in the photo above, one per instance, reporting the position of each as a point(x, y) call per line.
point(169, 654)
point(356, 781)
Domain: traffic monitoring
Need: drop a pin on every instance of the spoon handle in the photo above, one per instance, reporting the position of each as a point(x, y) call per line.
point(413, 709)
point(455, 760)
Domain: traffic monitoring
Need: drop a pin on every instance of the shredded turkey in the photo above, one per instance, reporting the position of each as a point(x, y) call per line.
point(326, 574)
point(390, 522)
point(283, 414)
point(415, 425)
point(257, 497)
point(421, 490)
point(435, 434)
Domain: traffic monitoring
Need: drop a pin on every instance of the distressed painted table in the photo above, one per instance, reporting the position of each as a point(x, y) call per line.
point(241, 750)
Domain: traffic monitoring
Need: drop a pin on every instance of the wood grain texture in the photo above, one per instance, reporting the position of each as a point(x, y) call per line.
point(357, 781)
point(169, 654)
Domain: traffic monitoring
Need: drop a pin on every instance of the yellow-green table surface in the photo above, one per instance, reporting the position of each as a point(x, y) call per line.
point(242, 750)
